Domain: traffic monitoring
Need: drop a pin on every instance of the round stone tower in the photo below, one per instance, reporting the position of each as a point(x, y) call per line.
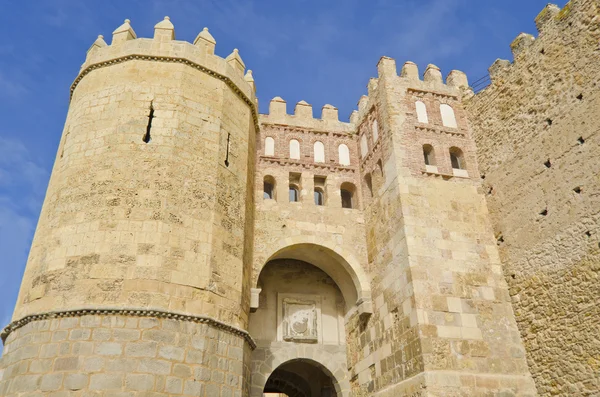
point(138, 278)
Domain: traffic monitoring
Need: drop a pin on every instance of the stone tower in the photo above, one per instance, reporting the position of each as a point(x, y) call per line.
point(137, 277)
point(442, 320)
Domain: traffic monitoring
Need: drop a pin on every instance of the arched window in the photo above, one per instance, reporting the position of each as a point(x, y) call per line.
point(319, 150)
point(448, 117)
point(375, 129)
point(347, 191)
point(294, 149)
point(428, 155)
point(319, 196)
point(364, 146)
point(294, 194)
point(457, 159)
point(421, 112)
point(344, 154)
point(269, 146)
point(269, 188)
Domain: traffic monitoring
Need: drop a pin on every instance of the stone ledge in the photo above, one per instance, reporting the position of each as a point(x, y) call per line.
point(126, 312)
point(158, 58)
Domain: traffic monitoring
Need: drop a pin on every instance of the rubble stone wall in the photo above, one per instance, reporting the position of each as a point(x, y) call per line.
point(536, 130)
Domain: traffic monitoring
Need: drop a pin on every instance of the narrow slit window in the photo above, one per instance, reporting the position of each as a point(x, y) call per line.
point(227, 148)
point(147, 138)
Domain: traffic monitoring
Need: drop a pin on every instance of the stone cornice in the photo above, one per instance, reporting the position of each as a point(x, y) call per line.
point(158, 58)
point(132, 312)
point(306, 165)
point(350, 134)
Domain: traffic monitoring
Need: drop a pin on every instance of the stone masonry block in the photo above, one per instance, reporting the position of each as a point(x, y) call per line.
point(74, 382)
point(106, 382)
point(51, 382)
point(139, 382)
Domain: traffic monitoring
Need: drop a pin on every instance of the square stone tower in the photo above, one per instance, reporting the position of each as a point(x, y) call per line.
point(442, 320)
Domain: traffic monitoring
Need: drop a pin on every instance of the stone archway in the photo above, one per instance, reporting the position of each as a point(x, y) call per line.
point(315, 356)
point(341, 265)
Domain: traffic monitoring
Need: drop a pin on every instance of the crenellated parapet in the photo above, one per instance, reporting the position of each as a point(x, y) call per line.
point(126, 46)
point(455, 85)
point(303, 117)
point(527, 48)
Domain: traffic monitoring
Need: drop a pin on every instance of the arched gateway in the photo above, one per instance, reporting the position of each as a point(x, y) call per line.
point(305, 294)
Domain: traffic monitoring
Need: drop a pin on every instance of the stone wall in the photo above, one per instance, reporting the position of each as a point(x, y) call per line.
point(537, 137)
point(116, 355)
point(281, 224)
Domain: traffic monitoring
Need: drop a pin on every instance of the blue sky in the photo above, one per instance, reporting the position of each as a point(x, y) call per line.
point(319, 51)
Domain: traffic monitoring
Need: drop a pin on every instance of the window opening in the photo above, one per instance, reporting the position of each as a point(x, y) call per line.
point(369, 183)
point(364, 145)
point(346, 199)
point(269, 188)
point(319, 197)
point(428, 155)
point(344, 154)
point(294, 197)
point(457, 159)
point(227, 156)
point(421, 112)
point(448, 116)
point(147, 138)
point(347, 194)
point(269, 146)
point(294, 149)
point(319, 152)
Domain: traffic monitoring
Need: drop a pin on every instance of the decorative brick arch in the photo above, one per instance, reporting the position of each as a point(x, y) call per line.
point(314, 355)
point(340, 264)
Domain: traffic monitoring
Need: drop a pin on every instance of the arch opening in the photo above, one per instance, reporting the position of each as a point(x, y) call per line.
point(342, 267)
point(302, 378)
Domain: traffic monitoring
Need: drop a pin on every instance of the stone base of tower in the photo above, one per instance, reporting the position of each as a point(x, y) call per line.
point(119, 355)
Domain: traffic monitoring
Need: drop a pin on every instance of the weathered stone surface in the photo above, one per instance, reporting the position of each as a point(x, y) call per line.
point(188, 246)
point(537, 139)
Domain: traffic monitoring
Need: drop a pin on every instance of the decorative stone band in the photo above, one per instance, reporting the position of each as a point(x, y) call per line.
point(131, 313)
point(307, 165)
point(185, 61)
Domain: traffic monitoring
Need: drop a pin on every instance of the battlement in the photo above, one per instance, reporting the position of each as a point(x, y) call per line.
point(456, 84)
point(528, 48)
point(163, 47)
point(303, 117)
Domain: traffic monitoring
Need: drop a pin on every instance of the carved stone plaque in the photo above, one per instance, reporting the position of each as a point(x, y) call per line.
point(300, 320)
